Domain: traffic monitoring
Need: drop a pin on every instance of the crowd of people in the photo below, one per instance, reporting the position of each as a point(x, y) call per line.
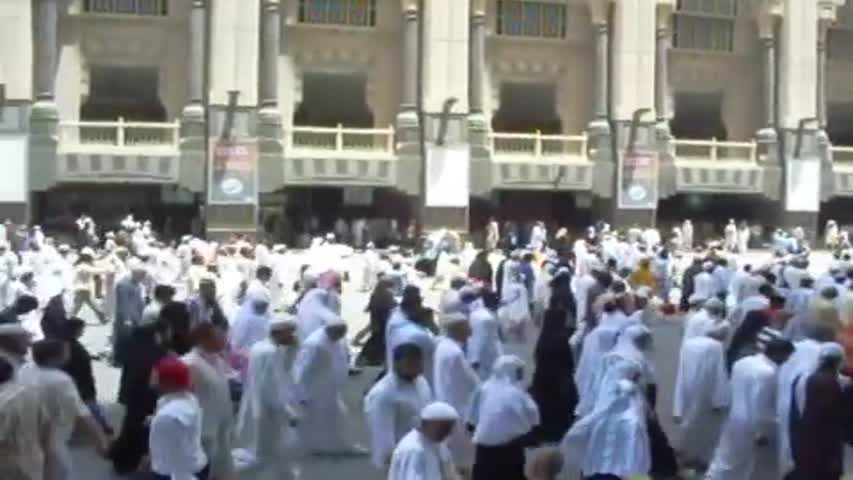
point(235, 357)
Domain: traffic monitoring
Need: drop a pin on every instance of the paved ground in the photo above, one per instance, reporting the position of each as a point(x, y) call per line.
point(89, 467)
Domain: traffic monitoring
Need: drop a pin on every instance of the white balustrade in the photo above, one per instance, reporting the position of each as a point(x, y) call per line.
point(126, 7)
point(118, 136)
point(538, 146)
point(714, 150)
point(842, 155)
point(341, 141)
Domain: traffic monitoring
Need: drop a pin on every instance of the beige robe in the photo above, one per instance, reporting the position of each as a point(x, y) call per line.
point(210, 386)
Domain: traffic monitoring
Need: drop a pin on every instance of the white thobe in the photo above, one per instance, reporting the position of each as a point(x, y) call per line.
point(393, 407)
point(63, 406)
point(175, 437)
point(23, 419)
point(419, 458)
point(802, 363)
point(596, 344)
point(210, 386)
point(321, 373)
point(249, 328)
point(313, 312)
point(697, 325)
point(752, 415)
point(484, 345)
point(501, 412)
point(749, 304)
point(701, 392)
point(705, 285)
point(455, 384)
point(266, 409)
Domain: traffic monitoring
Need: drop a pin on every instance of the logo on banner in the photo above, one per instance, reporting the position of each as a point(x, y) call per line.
point(233, 173)
point(638, 181)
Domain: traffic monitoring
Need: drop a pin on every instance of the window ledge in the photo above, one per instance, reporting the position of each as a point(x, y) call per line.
point(333, 27)
point(528, 39)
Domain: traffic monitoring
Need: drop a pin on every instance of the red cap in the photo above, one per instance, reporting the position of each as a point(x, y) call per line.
point(173, 372)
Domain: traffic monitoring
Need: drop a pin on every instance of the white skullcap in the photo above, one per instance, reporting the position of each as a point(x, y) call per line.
point(330, 236)
point(282, 322)
point(333, 320)
point(644, 292)
point(453, 318)
point(714, 303)
point(831, 350)
point(279, 247)
point(707, 265)
point(13, 330)
point(87, 251)
point(135, 265)
point(258, 293)
point(64, 247)
point(439, 411)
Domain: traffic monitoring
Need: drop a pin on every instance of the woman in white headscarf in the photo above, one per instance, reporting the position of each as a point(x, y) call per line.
point(503, 415)
point(514, 314)
point(613, 441)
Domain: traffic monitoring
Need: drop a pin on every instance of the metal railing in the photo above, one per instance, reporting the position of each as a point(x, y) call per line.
point(119, 134)
point(146, 8)
point(341, 140)
point(537, 145)
point(715, 150)
point(841, 154)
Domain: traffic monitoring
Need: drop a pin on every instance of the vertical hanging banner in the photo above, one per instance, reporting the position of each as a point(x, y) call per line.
point(638, 181)
point(802, 185)
point(448, 171)
point(233, 173)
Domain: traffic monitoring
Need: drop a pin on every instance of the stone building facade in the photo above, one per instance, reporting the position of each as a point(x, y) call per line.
point(557, 104)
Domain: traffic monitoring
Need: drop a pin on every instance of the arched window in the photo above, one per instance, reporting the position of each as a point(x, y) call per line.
point(705, 25)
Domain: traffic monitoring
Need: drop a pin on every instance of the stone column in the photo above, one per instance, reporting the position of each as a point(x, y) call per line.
point(47, 58)
point(269, 62)
point(478, 127)
point(600, 13)
point(823, 30)
point(194, 111)
point(407, 118)
point(767, 32)
point(663, 35)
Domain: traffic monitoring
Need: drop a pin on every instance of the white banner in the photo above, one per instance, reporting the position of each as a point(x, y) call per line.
point(802, 185)
point(448, 170)
point(13, 151)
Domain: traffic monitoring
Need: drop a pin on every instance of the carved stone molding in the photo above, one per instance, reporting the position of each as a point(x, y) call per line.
point(123, 43)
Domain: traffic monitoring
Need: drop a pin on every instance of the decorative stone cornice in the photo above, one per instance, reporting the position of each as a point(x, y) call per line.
point(527, 66)
point(767, 15)
point(478, 8)
point(665, 9)
point(598, 10)
point(828, 10)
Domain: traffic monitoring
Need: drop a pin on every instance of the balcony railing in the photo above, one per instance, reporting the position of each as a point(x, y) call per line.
point(714, 150)
point(341, 141)
point(843, 155)
point(145, 8)
point(118, 136)
point(538, 146)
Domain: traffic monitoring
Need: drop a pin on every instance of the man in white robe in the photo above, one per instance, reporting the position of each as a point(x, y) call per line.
point(747, 449)
point(320, 373)
point(705, 319)
point(393, 404)
point(455, 383)
point(705, 285)
point(484, 345)
point(701, 395)
point(65, 409)
point(268, 410)
point(23, 427)
point(210, 377)
point(421, 454)
point(252, 322)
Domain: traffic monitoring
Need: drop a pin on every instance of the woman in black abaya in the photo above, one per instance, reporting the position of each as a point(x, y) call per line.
point(553, 388)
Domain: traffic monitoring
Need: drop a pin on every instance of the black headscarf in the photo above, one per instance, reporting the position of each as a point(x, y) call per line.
point(553, 388)
point(744, 339)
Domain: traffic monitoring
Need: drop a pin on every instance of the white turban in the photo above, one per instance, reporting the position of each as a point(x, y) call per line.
point(282, 322)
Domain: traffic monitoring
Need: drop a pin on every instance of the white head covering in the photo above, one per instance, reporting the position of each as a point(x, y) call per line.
point(453, 318)
point(135, 265)
point(830, 350)
point(506, 368)
point(257, 293)
point(439, 411)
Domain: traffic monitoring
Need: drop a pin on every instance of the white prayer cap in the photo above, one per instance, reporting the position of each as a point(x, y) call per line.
point(110, 234)
point(643, 292)
point(453, 318)
point(439, 411)
point(334, 320)
point(258, 294)
point(714, 304)
point(279, 247)
point(708, 265)
point(370, 245)
point(13, 329)
point(831, 350)
point(330, 236)
point(135, 265)
point(282, 322)
point(150, 316)
point(64, 247)
point(87, 251)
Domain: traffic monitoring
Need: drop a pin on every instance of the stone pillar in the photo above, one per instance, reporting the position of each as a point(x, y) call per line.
point(47, 58)
point(478, 127)
point(663, 35)
point(822, 72)
point(194, 110)
point(767, 32)
point(600, 19)
point(407, 118)
point(269, 113)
